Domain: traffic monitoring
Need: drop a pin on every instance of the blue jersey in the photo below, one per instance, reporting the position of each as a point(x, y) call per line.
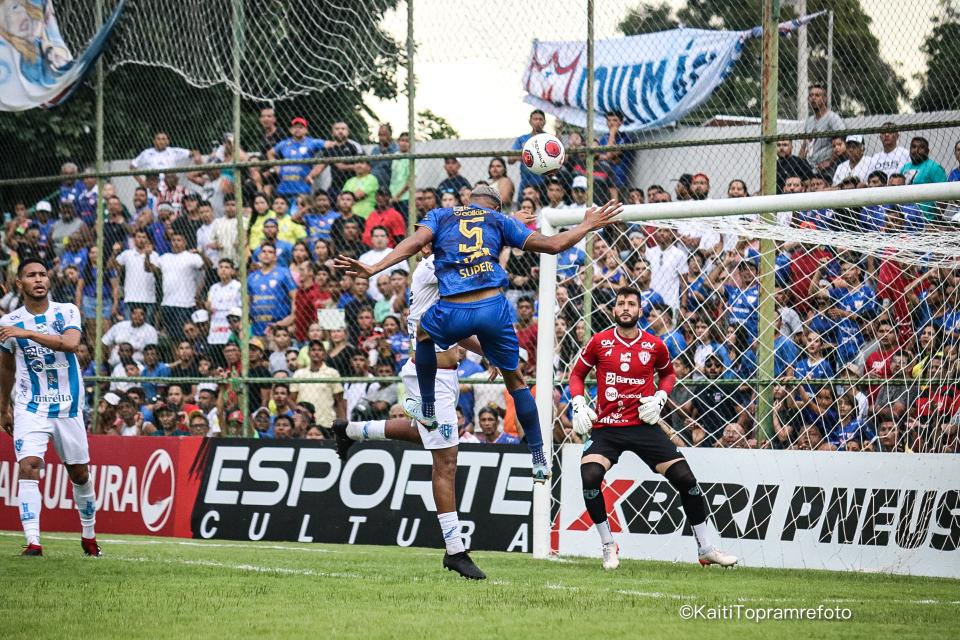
point(785, 354)
point(269, 297)
point(648, 298)
point(293, 176)
point(675, 343)
point(569, 262)
point(623, 170)
point(284, 253)
point(319, 224)
point(466, 245)
point(742, 305)
point(861, 301)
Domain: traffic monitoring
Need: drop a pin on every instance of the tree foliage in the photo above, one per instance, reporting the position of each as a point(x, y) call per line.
point(863, 83)
point(938, 89)
point(431, 126)
point(140, 100)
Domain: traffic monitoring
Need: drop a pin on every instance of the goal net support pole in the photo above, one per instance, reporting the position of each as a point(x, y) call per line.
point(545, 351)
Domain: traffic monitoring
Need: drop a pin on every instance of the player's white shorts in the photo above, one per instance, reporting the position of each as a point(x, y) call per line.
point(32, 432)
point(447, 393)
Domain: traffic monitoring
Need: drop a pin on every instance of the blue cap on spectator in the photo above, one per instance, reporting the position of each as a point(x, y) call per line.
point(272, 221)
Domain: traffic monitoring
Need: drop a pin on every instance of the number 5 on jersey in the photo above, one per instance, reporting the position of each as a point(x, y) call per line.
point(471, 233)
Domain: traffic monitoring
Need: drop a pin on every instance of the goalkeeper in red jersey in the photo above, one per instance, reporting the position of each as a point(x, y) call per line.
point(629, 405)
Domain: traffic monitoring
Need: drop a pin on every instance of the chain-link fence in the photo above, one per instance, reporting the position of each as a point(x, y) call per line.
point(191, 196)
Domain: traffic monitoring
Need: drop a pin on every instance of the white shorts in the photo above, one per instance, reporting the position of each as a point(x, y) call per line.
point(447, 393)
point(32, 432)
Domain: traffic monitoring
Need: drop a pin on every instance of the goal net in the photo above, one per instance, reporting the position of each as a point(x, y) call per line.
point(815, 322)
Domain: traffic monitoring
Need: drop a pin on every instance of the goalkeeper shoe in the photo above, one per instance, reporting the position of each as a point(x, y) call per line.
point(414, 409)
point(541, 473)
point(611, 556)
point(342, 439)
point(32, 550)
point(90, 547)
point(462, 564)
point(715, 556)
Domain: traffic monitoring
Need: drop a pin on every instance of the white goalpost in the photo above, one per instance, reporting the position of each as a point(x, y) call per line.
point(823, 479)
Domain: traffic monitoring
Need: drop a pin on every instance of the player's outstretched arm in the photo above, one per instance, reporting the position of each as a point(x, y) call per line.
point(68, 342)
point(595, 218)
point(407, 247)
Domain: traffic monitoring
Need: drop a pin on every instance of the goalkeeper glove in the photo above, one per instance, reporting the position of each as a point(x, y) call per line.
point(651, 406)
point(583, 416)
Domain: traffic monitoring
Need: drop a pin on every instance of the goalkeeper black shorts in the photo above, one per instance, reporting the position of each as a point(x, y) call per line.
point(647, 441)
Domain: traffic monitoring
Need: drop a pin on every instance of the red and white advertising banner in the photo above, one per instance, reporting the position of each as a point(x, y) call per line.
point(144, 485)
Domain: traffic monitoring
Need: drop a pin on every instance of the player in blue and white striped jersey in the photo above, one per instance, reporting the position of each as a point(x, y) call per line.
point(38, 344)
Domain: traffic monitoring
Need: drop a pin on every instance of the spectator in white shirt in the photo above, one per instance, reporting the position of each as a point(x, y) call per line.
point(891, 157)
point(160, 156)
point(668, 262)
point(380, 239)
point(139, 284)
point(136, 331)
point(180, 270)
point(225, 231)
point(856, 163)
point(221, 298)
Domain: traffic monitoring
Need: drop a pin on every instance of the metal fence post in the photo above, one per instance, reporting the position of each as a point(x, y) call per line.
point(588, 270)
point(98, 225)
point(768, 180)
point(241, 226)
point(411, 126)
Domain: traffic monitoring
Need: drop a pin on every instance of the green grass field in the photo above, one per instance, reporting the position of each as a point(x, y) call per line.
point(168, 588)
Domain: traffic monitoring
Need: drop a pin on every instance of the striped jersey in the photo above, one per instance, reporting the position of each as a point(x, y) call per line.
point(48, 382)
point(424, 293)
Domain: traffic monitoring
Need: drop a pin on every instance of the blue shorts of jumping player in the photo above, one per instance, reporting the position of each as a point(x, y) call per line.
point(491, 320)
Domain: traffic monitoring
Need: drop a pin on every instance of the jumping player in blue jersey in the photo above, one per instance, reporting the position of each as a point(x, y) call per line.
point(466, 243)
point(38, 344)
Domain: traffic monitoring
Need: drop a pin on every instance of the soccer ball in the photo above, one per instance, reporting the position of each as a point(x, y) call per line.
point(543, 153)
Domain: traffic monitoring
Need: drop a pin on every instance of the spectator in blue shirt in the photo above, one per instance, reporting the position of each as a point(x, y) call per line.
point(813, 366)
point(153, 367)
point(318, 220)
point(621, 162)
point(743, 300)
point(297, 178)
point(272, 293)
point(284, 249)
point(466, 369)
point(528, 178)
point(490, 432)
point(381, 169)
point(661, 325)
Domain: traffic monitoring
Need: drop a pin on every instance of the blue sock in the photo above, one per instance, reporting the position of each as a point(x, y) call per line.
point(426, 374)
point(529, 419)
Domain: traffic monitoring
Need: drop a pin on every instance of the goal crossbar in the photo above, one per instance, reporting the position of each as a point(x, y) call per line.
point(940, 191)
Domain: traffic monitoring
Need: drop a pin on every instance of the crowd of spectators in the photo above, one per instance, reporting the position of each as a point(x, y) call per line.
point(886, 330)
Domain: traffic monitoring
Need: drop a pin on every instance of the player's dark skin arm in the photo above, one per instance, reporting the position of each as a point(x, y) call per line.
point(595, 218)
point(68, 342)
point(410, 246)
point(8, 370)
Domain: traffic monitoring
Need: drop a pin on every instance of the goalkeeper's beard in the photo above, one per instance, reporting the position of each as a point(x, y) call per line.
point(630, 323)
